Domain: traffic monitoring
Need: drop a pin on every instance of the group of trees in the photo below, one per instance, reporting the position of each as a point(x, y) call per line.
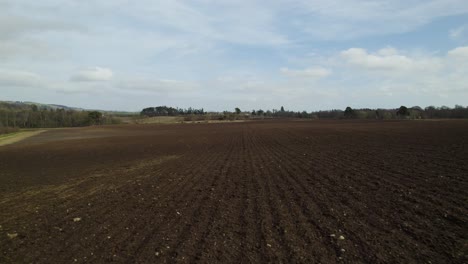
point(280, 113)
point(403, 112)
point(170, 111)
point(32, 116)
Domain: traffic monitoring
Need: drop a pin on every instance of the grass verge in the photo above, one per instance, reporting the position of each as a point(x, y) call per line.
point(7, 139)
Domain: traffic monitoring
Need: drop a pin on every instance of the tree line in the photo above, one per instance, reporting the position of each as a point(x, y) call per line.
point(403, 112)
point(170, 111)
point(14, 116)
point(32, 116)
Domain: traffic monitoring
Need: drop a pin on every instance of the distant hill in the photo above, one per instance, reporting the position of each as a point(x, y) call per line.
point(20, 104)
point(27, 105)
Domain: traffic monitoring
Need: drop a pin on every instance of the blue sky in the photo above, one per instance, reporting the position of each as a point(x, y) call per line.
point(304, 55)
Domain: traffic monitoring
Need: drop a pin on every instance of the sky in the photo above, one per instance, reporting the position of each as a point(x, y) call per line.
point(221, 54)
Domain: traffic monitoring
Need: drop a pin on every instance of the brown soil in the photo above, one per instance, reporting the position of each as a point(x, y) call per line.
point(254, 192)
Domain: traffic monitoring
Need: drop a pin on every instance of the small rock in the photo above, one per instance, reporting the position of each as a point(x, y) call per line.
point(333, 235)
point(341, 238)
point(268, 245)
point(156, 254)
point(12, 235)
point(76, 219)
point(343, 250)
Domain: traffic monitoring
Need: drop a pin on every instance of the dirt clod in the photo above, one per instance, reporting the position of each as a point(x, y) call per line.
point(12, 235)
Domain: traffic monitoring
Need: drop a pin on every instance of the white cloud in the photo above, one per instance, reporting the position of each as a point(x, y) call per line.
point(388, 60)
point(14, 26)
point(388, 51)
point(241, 22)
point(360, 57)
point(14, 79)
point(459, 53)
point(94, 74)
point(26, 35)
point(398, 73)
point(312, 73)
point(30, 48)
point(17, 78)
point(139, 84)
point(337, 19)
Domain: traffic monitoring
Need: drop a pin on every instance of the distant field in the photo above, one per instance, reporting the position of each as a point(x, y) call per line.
point(252, 192)
point(172, 120)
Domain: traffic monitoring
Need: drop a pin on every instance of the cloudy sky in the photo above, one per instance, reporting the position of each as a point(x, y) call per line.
point(221, 54)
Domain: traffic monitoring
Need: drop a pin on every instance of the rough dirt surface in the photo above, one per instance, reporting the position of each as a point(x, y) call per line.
point(254, 192)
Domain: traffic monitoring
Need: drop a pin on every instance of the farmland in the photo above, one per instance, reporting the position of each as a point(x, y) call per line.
point(252, 192)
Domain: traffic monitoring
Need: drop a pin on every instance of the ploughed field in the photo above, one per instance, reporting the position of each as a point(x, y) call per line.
point(253, 192)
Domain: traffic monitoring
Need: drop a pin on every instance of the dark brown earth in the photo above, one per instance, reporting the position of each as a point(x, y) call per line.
point(253, 192)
